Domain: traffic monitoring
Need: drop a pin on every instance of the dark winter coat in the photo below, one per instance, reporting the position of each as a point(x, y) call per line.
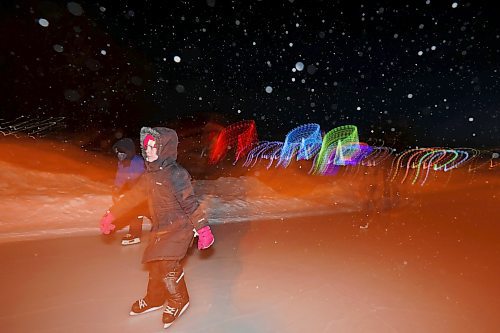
point(174, 209)
point(127, 173)
point(128, 170)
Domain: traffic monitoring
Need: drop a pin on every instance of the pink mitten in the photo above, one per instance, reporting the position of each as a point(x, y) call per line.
point(106, 224)
point(205, 238)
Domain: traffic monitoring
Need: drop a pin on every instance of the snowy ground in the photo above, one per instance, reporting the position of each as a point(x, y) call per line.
point(323, 254)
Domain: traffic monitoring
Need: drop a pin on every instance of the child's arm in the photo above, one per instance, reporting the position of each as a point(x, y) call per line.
point(130, 199)
point(184, 193)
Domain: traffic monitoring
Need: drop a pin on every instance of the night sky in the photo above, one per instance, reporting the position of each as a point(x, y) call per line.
point(410, 73)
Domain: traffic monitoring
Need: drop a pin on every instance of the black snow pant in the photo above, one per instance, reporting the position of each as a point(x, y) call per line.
point(166, 282)
point(134, 219)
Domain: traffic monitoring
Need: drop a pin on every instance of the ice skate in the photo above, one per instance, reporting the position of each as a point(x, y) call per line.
point(144, 306)
point(154, 299)
point(172, 311)
point(178, 300)
point(130, 239)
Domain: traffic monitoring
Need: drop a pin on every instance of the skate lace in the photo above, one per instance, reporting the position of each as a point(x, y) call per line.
point(170, 310)
point(142, 304)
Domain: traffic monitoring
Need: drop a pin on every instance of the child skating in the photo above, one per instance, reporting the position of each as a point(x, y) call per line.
point(175, 214)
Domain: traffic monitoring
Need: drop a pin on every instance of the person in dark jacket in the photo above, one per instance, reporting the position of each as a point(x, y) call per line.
point(130, 166)
point(175, 213)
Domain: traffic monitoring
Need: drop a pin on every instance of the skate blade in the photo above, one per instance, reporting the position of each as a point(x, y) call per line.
point(132, 313)
point(131, 242)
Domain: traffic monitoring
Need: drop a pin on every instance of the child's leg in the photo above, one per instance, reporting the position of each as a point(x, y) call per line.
point(174, 281)
point(178, 297)
point(135, 219)
point(136, 226)
point(156, 284)
point(156, 293)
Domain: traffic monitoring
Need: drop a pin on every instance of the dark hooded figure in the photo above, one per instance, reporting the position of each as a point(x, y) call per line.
point(175, 213)
point(130, 166)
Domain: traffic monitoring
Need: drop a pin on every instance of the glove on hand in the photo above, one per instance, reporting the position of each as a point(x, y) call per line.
point(205, 238)
point(106, 224)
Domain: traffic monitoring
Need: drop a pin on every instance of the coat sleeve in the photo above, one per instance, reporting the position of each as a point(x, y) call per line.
point(132, 198)
point(184, 194)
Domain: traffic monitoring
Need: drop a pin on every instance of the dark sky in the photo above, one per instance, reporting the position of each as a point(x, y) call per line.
point(425, 72)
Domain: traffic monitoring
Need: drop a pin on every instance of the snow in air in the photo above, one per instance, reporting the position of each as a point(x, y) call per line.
point(75, 8)
point(180, 88)
point(43, 22)
point(58, 48)
point(71, 95)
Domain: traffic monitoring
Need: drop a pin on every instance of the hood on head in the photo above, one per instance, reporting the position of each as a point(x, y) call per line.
point(166, 142)
point(125, 145)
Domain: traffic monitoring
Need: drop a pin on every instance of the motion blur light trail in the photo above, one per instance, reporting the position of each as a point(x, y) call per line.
point(269, 150)
point(377, 156)
point(303, 141)
point(338, 146)
point(33, 128)
point(494, 163)
point(481, 158)
point(426, 159)
point(341, 147)
point(241, 135)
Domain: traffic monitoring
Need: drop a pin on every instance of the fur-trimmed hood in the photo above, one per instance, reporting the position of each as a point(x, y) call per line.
point(166, 141)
